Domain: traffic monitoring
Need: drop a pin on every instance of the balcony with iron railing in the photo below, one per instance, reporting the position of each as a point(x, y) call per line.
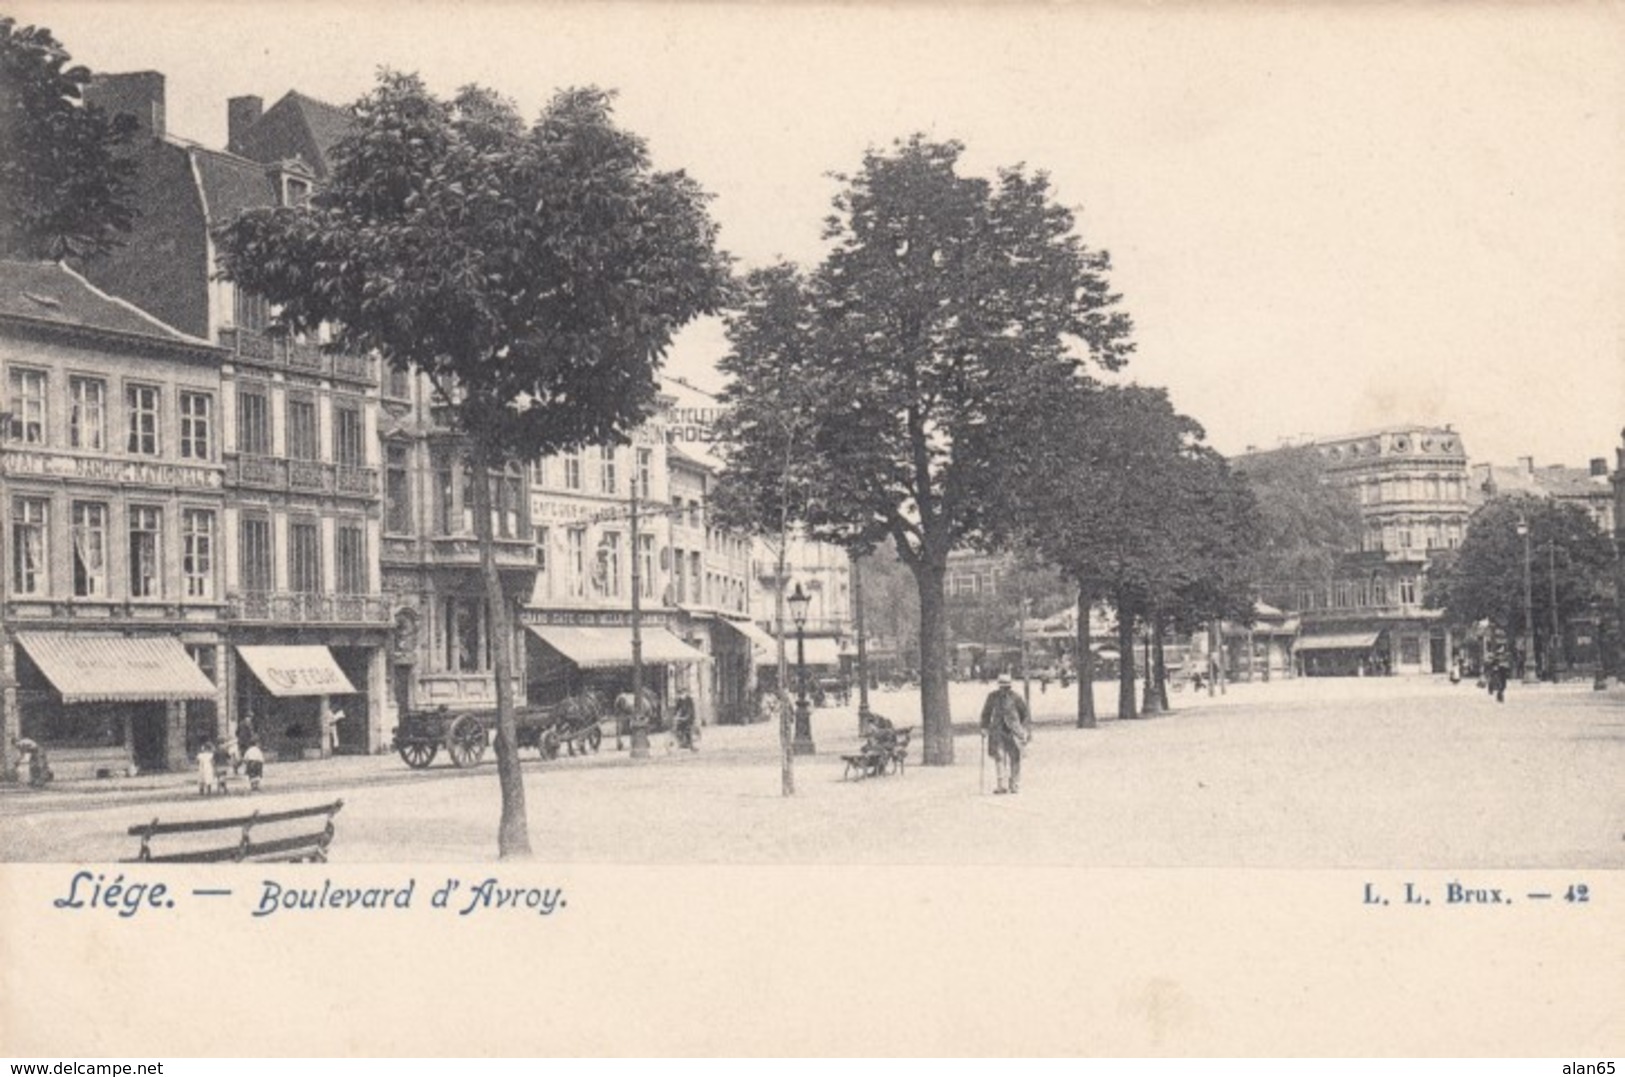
point(304, 476)
point(282, 350)
point(294, 607)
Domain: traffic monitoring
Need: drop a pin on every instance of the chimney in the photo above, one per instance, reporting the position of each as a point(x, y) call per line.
point(241, 114)
point(134, 93)
point(1526, 464)
point(1599, 467)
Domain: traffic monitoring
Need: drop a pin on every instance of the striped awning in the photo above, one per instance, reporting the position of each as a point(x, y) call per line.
point(115, 669)
point(759, 640)
point(304, 670)
point(1338, 641)
point(610, 646)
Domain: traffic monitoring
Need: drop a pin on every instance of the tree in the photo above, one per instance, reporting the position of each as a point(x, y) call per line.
point(1131, 508)
point(535, 275)
point(944, 320)
point(1484, 579)
point(1308, 522)
point(65, 190)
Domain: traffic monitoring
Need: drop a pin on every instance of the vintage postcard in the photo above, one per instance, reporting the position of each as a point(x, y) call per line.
point(812, 529)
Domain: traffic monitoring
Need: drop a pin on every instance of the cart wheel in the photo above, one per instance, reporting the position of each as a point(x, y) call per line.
point(466, 741)
point(550, 745)
point(418, 755)
point(595, 737)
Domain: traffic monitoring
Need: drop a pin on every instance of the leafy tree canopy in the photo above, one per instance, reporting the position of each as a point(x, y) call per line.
point(1308, 521)
point(65, 190)
point(537, 273)
point(1484, 578)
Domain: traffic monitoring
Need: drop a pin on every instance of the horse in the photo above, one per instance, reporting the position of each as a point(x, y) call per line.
point(577, 712)
point(634, 710)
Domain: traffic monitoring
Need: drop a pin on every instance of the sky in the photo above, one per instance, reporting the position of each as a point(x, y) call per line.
point(1323, 218)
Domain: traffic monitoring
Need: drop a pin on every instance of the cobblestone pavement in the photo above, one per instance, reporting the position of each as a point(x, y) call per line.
point(1381, 773)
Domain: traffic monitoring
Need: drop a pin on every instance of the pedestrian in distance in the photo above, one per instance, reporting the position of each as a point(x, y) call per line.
point(1008, 728)
point(207, 781)
point(254, 764)
point(223, 766)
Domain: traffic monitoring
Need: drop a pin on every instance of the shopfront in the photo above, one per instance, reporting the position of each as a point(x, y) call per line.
point(292, 695)
point(102, 705)
point(565, 659)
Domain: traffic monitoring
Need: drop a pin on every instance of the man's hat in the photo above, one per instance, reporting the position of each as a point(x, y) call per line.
point(1004, 680)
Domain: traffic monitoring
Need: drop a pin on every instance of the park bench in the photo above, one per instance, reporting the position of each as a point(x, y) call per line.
point(305, 844)
point(884, 751)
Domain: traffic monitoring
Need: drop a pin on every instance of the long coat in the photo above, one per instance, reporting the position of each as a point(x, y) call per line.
point(1008, 725)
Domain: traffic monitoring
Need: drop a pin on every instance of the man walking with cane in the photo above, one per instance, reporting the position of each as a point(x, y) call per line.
point(1006, 726)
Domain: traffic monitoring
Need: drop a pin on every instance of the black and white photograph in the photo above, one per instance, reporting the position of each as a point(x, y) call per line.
point(976, 481)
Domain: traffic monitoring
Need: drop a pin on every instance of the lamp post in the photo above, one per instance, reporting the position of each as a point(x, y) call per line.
point(803, 742)
point(865, 718)
point(1528, 607)
point(1552, 640)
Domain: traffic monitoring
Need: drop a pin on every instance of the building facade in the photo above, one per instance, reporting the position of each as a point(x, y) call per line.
point(1413, 490)
point(306, 622)
point(112, 486)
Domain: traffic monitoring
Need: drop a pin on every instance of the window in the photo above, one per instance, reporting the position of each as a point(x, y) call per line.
point(444, 504)
point(679, 575)
point(87, 417)
point(694, 579)
point(254, 553)
point(197, 552)
point(512, 504)
point(30, 527)
point(304, 442)
point(538, 473)
point(1404, 538)
point(1407, 591)
point(89, 549)
point(646, 565)
point(572, 471)
point(694, 514)
point(304, 557)
point(544, 585)
point(397, 490)
point(577, 539)
point(141, 401)
point(645, 466)
point(28, 406)
point(606, 469)
point(295, 191)
point(146, 551)
point(253, 422)
point(468, 499)
point(464, 645)
point(609, 560)
point(197, 425)
point(398, 384)
point(348, 440)
point(249, 311)
point(352, 559)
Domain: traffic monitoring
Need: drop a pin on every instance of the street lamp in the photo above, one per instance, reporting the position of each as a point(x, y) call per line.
point(1528, 607)
point(803, 742)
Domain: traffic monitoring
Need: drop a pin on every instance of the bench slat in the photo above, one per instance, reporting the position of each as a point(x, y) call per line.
point(197, 826)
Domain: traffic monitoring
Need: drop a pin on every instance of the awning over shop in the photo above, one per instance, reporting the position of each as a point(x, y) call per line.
point(821, 651)
point(610, 646)
point(1339, 641)
point(759, 640)
point(115, 669)
point(297, 671)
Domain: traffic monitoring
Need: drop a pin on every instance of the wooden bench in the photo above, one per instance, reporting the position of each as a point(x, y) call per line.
point(884, 751)
point(309, 845)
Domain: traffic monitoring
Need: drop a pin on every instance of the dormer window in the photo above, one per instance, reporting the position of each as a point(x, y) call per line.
point(294, 181)
point(295, 191)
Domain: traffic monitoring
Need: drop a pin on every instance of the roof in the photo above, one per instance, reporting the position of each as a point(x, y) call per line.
point(231, 184)
point(51, 293)
point(296, 126)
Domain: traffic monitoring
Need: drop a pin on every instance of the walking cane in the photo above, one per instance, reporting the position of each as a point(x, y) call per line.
point(981, 777)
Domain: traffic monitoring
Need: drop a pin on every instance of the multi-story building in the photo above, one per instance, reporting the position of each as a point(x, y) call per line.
point(1411, 483)
point(113, 494)
point(1587, 487)
point(306, 620)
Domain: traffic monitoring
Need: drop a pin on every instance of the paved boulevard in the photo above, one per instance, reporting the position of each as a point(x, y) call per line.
point(1401, 773)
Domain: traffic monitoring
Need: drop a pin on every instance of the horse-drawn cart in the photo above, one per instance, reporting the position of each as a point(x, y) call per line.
point(571, 725)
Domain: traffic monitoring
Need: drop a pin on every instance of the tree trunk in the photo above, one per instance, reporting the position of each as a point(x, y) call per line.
point(513, 832)
point(1085, 665)
point(1158, 627)
point(1125, 668)
point(1148, 703)
point(935, 716)
point(787, 772)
